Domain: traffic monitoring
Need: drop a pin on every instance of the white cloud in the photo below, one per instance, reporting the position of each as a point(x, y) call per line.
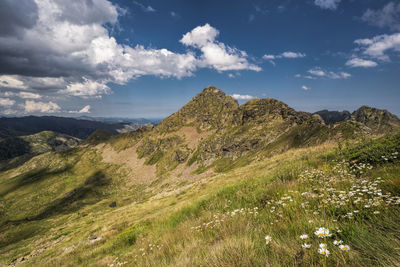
point(287, 54)
point(20, 82)
point(292, 55)
point(318, 72)
point(359, 62)
point(231, 75)
point(305, 88)
point(87, 88)
point(85, 109)
point(7, 94)
point(10, 81)
point(27, 95)
point(9, 111)
point(268, 57)
point(32, 106)
point(215, 54)
point(378, 46)
point(327, 4)
point(309, 77)
point(6, 102)
point(200, 36)
point(388, 16)
point(305, 76)
point(242, 97)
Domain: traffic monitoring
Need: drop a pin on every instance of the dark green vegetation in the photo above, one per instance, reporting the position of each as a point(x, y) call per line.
point(35, 144)
point(205, 186)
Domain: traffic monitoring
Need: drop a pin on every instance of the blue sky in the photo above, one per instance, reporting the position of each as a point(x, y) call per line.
point(148, 58)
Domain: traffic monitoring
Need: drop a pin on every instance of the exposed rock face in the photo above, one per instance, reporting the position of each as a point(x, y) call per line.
point(332, 117)
point(208, 110)
point(378, 120)
point(268, 109)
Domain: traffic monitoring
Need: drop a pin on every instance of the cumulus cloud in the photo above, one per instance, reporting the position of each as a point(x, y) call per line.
point(65, 46)
point(11, 82)
point(87, 88)
point(305, 88)
point(28, 95)
point(21, 82)
point(215, 54)
point(359, 62)
point(242, 97)
point(6, 102)
point(327, 4)
point(85, 109)
point(287, 54)
point(378, 46)
point(388, 16)
point(317, 72)
point(42, 107)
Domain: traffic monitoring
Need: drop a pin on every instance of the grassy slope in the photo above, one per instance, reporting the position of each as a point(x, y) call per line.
point(182, 229)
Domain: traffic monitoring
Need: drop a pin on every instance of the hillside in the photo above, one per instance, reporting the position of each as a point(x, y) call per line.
point(35, 144)
point(205, 186)
point(79, 128)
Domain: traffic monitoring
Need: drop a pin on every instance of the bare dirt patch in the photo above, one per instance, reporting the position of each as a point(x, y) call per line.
point(128, 158)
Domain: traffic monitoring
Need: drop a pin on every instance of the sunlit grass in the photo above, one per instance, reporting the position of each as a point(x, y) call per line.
point(309, 207)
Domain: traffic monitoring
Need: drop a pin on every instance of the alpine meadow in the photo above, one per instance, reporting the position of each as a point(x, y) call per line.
point(115, 150)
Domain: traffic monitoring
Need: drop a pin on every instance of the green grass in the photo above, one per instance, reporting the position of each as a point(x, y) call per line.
point(195, 226)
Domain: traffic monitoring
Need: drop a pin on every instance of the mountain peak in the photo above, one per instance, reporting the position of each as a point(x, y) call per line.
point(379, 120)
point(211, 89)
point(210, 109)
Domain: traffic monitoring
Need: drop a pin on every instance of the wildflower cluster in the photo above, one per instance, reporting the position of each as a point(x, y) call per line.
point(338, 192)
point(147, 249)
point(391, 156)
point(360, 168)
point(323, 233)
point(218, 219)
point(116, 263)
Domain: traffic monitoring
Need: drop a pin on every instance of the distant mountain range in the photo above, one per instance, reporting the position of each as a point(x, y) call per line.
point(121, 120)
point(77, 127)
